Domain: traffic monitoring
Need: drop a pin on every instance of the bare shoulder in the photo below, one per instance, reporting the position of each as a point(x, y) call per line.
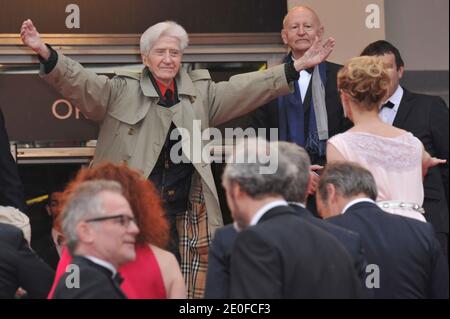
point(165, 258)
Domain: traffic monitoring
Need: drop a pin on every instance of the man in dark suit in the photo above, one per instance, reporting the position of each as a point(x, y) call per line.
point(100, 233)
point(313, 113)
point(218, 274)
point(269, 254)
point(427, 118)
point(11, 189)
point(296, 116)
point(297, 193)
point(404, 255)
point(20, 267)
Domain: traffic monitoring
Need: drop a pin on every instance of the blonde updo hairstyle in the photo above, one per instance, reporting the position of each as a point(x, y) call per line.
point(366, 80)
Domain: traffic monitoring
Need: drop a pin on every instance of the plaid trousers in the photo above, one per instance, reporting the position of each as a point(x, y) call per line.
point(195, 239)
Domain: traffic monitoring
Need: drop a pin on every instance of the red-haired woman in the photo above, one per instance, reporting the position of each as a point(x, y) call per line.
point(155, 273)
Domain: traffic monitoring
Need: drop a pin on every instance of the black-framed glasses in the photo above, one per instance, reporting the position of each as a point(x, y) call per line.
point(123, 220)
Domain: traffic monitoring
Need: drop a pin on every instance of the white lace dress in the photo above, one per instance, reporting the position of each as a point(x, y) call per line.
point(396, 164)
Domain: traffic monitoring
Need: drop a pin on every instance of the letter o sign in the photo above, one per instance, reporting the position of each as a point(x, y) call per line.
point(62, 113)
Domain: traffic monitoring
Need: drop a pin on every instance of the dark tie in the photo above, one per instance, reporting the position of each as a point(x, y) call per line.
point(168, 98)
point(388, 104)
point(118, 279)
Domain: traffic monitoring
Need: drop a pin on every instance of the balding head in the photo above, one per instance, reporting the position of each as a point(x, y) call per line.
point(297, 9)
point(301, 26)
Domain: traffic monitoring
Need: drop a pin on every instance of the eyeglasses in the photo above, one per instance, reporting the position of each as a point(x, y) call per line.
point(163, 52)
point(123, 220)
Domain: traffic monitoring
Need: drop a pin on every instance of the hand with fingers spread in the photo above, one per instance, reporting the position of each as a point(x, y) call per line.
point(31, 38)
point(316, 54)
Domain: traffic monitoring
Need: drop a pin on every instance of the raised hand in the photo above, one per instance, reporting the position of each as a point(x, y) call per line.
point(316, 54)
point(31, 38)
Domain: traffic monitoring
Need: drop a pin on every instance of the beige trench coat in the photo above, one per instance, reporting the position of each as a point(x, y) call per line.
point(133, 127)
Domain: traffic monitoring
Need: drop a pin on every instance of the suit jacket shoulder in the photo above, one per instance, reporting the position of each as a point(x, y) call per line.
point(94, 282)
point(11, 235)
point(21, 267)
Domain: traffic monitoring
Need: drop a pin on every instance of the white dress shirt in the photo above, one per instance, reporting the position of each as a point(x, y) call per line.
point(260, 213)
point(303, 83)
point(103, 263)
point(386, 114)
point(356, 201)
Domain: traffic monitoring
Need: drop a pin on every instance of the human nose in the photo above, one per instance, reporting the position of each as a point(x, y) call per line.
point(133, 228)
point(301, 30)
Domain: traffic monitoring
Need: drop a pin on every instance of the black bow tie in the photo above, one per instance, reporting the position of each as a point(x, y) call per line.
point(388, 104)
point(118, 279)
point(310, 70)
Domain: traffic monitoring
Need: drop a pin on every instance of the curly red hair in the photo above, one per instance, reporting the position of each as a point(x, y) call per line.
point(140, 193)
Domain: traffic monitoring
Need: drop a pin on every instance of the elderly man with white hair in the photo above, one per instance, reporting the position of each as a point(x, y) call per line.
point(138, 112)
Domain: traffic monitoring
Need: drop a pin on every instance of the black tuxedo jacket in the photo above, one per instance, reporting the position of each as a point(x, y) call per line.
point(406, 250)
point(219, 255)
point(350, 240)
point(284, 256)
point(11, 189)
point(95, 282)
point(20, 267)
point(267, 115)
point(426, 117)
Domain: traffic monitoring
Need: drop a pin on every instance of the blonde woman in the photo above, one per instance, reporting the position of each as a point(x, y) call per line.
point(396, 158)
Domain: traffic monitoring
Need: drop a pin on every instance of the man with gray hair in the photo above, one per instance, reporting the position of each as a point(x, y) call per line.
point(100, 232)
point(268, 256)
point(138, 113)
point(296, 194)
point(405, 258)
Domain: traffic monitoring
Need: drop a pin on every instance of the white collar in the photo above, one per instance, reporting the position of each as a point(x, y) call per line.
point(356, 201)
point(260, 213)
point(103, 263)
point(396, 98)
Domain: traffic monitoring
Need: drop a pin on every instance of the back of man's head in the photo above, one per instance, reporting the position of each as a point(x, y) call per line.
point(297, 191)
point(349, 180)
point(382, 47)
point(85, 202)
point(259, 169)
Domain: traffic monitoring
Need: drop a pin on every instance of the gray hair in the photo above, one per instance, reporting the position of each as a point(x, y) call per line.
point(166, 28)
point(85, 203)
point(296, 192)
point(247, 174)
point(349, 179)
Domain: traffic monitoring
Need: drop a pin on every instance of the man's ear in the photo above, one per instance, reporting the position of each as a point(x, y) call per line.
point(321, 32)
point(331, 191)
point(401, 70)
point(284, 36)
point(85, 232)
point(236, 190)
point(144, 59)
